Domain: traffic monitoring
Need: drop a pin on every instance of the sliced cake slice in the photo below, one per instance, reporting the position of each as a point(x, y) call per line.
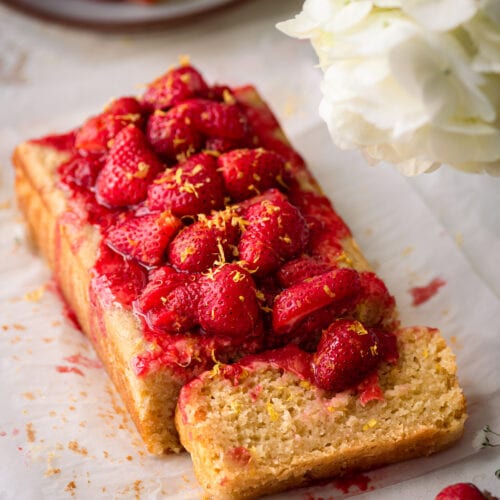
point(263, 425)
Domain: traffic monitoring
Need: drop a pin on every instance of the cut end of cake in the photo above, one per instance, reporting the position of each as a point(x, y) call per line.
point(270, 424)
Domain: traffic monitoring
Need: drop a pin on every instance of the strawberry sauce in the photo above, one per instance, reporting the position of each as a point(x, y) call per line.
point(69, 369)
point(421, 294)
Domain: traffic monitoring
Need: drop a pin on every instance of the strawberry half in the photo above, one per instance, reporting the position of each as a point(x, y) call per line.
point(219, 119)
point(116, 279)
point(192, 187)
point(198, 246)
point(169, 301)
point(275, 233)
point(375, 306)
point(248, 172)
point(346, 354)
point(172, 133)
point(297, 270)
point(97, 133)
point(319, 211)
point(81, 170)
point(461, 491)
point(129, 168)
point(177, 85)
point(144, 238)
point(228, 304)
point(334, 288)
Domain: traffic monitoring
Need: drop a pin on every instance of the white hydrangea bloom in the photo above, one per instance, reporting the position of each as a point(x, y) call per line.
point(412, 82)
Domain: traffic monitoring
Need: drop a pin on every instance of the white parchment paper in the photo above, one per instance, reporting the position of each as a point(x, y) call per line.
point(63, 430)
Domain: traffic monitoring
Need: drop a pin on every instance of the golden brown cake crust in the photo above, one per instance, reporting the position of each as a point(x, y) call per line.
point(71, 249)
point(305, 433)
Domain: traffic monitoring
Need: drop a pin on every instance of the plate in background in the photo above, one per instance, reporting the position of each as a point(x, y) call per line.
point(108, 14)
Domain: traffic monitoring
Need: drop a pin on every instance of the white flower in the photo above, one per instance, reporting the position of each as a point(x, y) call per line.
point(412, 82)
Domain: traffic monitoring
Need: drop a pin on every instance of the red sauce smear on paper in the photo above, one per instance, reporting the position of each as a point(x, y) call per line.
point(81, 360)
point(359, 480)
point(422, 294)
point(70, 369)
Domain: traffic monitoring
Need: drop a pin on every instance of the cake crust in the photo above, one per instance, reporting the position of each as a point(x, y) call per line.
point(70, 248)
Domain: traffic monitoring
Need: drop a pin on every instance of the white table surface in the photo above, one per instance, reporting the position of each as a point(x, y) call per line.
point(52, 77)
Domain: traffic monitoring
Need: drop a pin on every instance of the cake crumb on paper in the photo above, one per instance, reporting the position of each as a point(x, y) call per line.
point(30, 432)
point(407, 251)
point(76, 448)
point(35, 295)
point(70, 488)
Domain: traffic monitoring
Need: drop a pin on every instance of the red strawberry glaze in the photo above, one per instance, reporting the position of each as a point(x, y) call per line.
point(289, 358)
point(115, 279)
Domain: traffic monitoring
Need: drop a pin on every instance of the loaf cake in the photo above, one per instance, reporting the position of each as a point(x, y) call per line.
point(187, 234)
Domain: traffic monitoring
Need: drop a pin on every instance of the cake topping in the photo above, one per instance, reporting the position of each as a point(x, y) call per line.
point(129, 168)
point(176, 86)
point(214, 232)
point(97, 133)
point(228, 304)
point(144, 238)
point(276, 232)
point(192, 187)
point(207, 241)
point(169, 301)
point(339, 287)
point(172, 134)
point(346, 354)
point(248, 172)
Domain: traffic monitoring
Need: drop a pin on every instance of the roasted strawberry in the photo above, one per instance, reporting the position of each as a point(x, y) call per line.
point(81, 170)
point(97, 133)
point(169, 301)
point(259, 115)
point(129, 168)
point(228, 304)
point(297, 270)
point(144, 238)
point(318, 210)
point(221, 120)
point(125, 106)
point(173, 134)
point(190, 188)
point(248, 172)
point(375, 306)
point(346, 354)
point(275, 233)
point(326, 246)
point(293, 305)
point(461, 491)
point(116, 279)
point(198, 246)
point(177, 85)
